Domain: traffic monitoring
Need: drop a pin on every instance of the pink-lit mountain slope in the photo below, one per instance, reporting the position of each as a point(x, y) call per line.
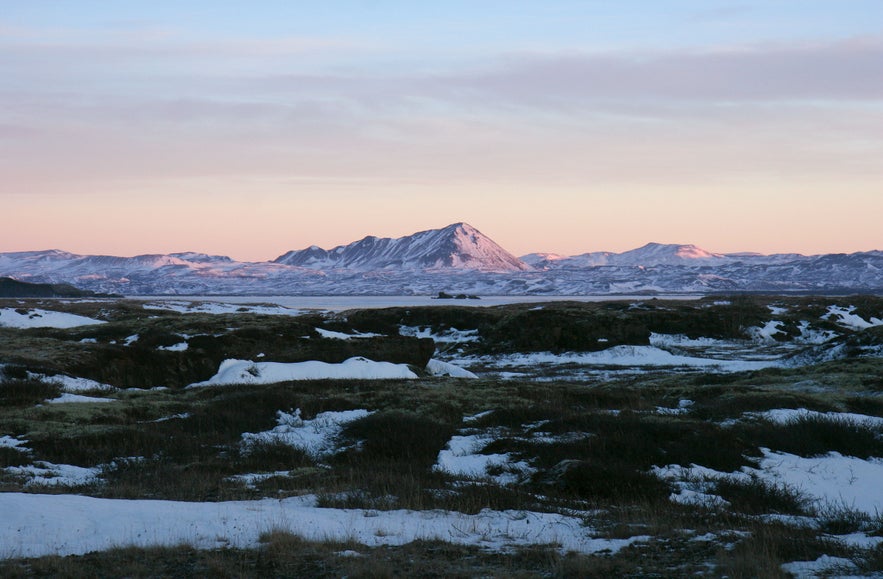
point(457, 246)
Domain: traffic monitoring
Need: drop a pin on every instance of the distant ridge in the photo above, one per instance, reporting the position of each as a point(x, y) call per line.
point(457, 259)
point(649, 255)
point(12, 288)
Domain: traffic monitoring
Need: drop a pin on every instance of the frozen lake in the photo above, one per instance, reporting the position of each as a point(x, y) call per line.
point(338, 303)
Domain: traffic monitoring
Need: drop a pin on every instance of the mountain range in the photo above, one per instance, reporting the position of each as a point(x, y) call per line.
point(456, 258)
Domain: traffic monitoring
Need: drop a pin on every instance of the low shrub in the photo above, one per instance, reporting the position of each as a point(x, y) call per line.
point(27, 392)
point(161, 478)
point(722, 403)
point(768, 546)
point(599, 481)
point(398, 437)
point(643, 441)
point(842, 520)
point(13, 372)
point(13, 457)
point(758, 496)
point(272, 456)
point(101, 446)
point(810, 436)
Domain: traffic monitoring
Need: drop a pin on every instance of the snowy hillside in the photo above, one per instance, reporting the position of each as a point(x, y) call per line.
point(649, 255)
point(457, 246)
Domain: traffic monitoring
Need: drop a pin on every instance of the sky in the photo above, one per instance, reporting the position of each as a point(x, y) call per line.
point(252, 128)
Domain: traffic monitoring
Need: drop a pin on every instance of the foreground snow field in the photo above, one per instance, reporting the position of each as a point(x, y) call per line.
point(35, 525)
point(652, 437)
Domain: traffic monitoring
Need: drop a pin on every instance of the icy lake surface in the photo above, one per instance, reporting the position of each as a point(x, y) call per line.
point(339, 303)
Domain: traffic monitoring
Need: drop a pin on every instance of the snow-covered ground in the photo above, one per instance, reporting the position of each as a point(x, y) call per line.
point(439, 368)
point(179, 347)
point(36, 525)
point(832, 480)
point(316, 437)
point(67, 398)
point(767, 332)
point(824, 566)
point(338, 303)
point(462, 457)
point(218, 307)
point(43, 473)
point(810, 335)
point(445, 337)
point(847, 317)
point(683, 341)
point(669, 352)
point(37, 318)
point(342, 336)
point(790, 415)
point(632, 357)
point(72, 384)
point(247, 372)
point(7, 441)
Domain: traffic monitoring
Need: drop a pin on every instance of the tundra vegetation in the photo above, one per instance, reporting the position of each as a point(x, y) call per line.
point(685, 467)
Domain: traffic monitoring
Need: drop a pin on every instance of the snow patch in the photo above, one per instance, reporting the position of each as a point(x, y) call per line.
point(682, 341)
point(71, 384)
point(37, 318)
point(822, 566)
point(767, 332)
point(185, 307)
point(846, 317)
point(636, 356)
point(251, 480)
point(43, 473)
point(829, 480)
point(791, 415)
point(358, 368)
point(35, 525)
point(682, 408)
point(16, 443)
point(341, 336)
point(462, 457)
point(316, 437)
point(451, 335)
point(439, 368)
point(179, 347)
point(180, 416)
point(809, 335)
point(68, 398)
point(477, 417)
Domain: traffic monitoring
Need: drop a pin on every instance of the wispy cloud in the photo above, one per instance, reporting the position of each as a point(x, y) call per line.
point(843, 70)
point(162, 110)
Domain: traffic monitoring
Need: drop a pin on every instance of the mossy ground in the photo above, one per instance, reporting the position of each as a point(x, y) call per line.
point(591, 443)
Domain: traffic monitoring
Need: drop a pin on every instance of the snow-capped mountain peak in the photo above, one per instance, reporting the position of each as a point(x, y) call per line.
point(457, 246)
point(648, 255)
point(664, 254)
point(195, 257)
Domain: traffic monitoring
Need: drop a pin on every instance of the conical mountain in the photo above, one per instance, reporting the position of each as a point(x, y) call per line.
point(457, 246)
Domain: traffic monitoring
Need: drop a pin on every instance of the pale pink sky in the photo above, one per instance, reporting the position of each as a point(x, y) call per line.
point(187, 126)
